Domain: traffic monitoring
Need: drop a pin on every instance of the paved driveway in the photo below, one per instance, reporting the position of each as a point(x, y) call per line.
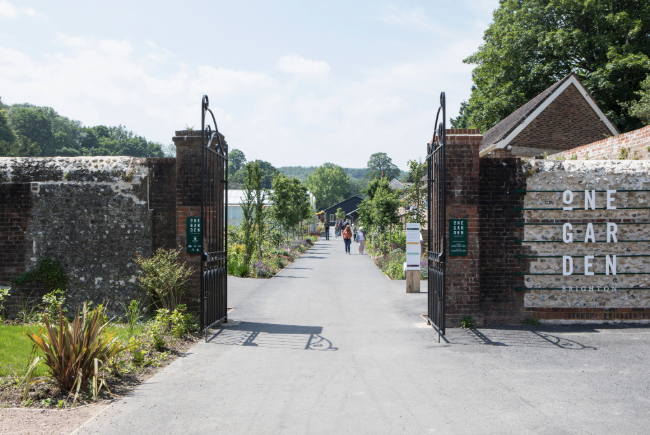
point(331, 346)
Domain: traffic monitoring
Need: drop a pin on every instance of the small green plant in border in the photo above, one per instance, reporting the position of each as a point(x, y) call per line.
point(4, 294)
point(49, 272)
point(534, 321)
point(468, 322)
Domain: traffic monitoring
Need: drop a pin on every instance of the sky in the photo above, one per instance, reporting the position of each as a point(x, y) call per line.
point(290, 82)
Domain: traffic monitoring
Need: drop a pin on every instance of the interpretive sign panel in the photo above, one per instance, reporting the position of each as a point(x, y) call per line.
point(413, 246)
point(457, 237)
point(193, 235)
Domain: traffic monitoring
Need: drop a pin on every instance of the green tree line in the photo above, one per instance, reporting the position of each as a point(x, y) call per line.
point(531, 44)
point(34, 131)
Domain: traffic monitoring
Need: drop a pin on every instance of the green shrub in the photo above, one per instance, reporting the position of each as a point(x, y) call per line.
point(467, 322)
point(531, 321)
point(163, 277)
point(134, 314)
point(182, 322)
point(159, 327)
point(4, 294)
point(70, 349)
point(49, 272)
point(54, 305)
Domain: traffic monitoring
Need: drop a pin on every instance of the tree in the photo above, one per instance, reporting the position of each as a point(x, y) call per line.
point(329, 183)
point(533, 43)
point(290, 202)
point(340, 214)
point(380, 165)
point(641, 108)
point(236, 159)
point(252, 181)
point(377, 184)
point(260, 197)
point(357, 187)
point(463, 118)
point(414, 195)
point(35, 126)
point(268, 173)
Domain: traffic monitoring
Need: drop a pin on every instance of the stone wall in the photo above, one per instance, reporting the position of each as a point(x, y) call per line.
point(635, 142)
point(94, 214)
point(577, 296)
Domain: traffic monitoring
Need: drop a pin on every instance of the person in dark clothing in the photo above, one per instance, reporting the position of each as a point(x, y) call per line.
point(327, 230)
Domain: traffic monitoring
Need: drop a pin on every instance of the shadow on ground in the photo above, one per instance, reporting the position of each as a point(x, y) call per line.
point(548, 337)
point(272, 335)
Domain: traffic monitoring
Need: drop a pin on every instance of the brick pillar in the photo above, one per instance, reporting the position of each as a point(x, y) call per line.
point(188, 203)
point(463, 273)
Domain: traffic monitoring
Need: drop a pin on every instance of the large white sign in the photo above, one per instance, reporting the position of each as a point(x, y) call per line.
point(412, 246)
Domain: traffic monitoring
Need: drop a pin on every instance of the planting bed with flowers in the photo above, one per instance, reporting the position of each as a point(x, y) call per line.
point(391, 263)
point(276, 254)
point(55, 355)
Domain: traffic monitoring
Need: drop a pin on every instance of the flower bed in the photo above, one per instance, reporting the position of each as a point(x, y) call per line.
point(273, 259)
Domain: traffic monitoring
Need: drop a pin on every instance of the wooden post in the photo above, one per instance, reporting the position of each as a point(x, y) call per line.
point(412, 281)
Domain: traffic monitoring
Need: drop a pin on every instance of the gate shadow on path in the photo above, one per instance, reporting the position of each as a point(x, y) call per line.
point(272, 335)
point(513, 336)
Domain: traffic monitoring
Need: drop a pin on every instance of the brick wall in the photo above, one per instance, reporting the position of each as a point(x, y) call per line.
point(15, 212)
point(568, 121)
point(499, 178)
point(162, 200)
point(188, 203)
point(463, 280)
point(636, 142)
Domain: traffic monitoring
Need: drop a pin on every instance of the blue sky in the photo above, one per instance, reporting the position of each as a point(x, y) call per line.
point(293, 83)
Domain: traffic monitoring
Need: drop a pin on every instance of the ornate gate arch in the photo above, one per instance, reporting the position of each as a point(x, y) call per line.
point(214, 222)
point(437, 221)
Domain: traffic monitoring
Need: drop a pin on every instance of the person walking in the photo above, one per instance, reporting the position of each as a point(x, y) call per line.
point(361, 238)
point(347, 238)
point(327, 230)
point(354, 231)
point(337, 230)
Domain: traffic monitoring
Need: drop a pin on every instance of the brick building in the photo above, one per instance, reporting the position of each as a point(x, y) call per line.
point(562, 117)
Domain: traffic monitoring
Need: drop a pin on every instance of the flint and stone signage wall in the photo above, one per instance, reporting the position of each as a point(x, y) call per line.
point(586, 232)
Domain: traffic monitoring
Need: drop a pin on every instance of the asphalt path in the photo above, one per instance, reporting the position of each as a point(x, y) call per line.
point(331, 346)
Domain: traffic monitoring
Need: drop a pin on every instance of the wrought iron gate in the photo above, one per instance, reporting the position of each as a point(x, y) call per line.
point(437, 238)
point(214, 222)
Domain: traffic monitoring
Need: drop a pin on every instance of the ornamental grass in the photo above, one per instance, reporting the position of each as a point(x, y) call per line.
point(70, 350)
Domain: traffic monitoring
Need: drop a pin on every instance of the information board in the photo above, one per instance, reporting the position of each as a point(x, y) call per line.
point(457, 237)
point(193, 234)
point(413, 246)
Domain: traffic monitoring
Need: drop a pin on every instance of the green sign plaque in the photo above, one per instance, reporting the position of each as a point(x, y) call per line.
point(193, 235)
point(458, 237)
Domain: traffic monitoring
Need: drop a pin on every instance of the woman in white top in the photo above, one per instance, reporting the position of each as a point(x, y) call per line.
point(361, 239)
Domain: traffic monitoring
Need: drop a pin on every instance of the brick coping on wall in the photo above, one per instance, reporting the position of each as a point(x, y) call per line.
point(636, 141)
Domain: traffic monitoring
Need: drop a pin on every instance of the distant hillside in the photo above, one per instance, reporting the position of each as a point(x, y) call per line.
point(302, 172)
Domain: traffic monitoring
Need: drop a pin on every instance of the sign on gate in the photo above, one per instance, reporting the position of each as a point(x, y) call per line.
point(458, 237)
point(193, 234)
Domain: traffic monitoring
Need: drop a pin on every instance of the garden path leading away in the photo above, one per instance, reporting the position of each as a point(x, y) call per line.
point(331, 346)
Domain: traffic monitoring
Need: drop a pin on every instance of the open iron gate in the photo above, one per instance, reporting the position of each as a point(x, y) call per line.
point(437, 218)
point(214, 222)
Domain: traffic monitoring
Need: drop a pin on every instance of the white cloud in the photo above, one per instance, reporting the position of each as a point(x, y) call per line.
point(294, 64)
point(414, 18)
point(7, 10)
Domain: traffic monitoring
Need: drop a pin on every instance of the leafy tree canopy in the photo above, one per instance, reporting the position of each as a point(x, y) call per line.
point(641, 108)
point(463, 118)
point(42, 132)
point(236, 159)
point(290, 202)
point(533, 43)
point(380, 165)
point(329, 183)
point(268, 173)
